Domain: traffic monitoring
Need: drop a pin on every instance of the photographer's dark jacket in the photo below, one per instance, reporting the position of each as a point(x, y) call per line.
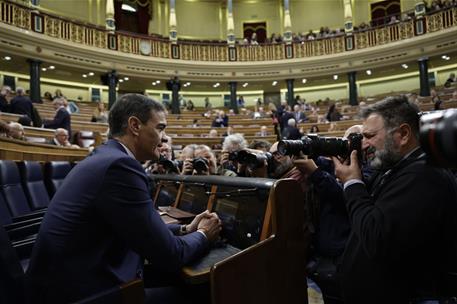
point(403, 235)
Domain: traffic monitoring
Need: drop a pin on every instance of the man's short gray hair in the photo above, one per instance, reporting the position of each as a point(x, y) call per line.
point(234, 142)
point(20, 90)
point(291, 122)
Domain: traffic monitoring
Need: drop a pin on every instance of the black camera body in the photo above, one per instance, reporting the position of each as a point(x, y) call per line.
point(314, 146)
point(200, 164)
point(170, 166)
point(254, 160)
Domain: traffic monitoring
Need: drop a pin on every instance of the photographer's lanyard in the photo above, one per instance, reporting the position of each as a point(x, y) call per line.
point(414, 156)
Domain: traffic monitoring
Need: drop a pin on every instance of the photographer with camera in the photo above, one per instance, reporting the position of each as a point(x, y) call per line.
point(330, 220)
point(402, 246)
point(202, 162)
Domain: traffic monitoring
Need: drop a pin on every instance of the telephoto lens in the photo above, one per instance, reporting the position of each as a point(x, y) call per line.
point(314, 146)
point(438, 137)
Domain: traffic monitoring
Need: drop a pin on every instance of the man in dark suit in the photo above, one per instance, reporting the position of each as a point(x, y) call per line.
point(62, 119)
point(21, 104)
point(291, 132)
point(403, 241)
point(298, 114)
point(101, 222)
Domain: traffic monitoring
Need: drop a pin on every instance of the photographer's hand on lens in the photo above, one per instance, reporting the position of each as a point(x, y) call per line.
point(345, 171)
point(211, 226)
point(306, 166)
point(187, 167)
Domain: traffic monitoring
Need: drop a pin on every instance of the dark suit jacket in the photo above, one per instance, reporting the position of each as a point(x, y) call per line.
point(291, 133)
point(21, 105)
point(99, 226)
point(62, 119)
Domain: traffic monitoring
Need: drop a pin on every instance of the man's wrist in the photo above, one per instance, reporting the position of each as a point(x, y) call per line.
point(183, 229)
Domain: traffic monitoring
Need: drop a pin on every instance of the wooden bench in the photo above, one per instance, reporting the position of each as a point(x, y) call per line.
point(263, 257)
point(12, 149)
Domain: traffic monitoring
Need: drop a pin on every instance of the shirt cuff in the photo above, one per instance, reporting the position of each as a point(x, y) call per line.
point(199, 231)
point(352, 182)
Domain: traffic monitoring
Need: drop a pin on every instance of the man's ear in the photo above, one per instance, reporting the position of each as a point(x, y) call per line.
point(405, 133)
point(134, 125)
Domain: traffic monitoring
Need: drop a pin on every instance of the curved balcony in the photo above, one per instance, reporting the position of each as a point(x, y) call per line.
point(84, 44)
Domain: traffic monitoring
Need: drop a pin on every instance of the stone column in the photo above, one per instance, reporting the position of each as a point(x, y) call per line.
point(352, 88)
point(423, 76)
point(233, 101)
point(35, 69)
point(111, 79)
point(174, 86)
point(290, 92)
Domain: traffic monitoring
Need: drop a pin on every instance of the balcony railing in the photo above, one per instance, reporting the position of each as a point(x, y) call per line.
point(95, 36)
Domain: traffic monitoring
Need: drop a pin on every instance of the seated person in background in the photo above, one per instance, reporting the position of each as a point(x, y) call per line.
point(101, 225)
point(190, 105)
point(62, 118)
point(195, 123)
point(5, 97)
point(202, 163)
point(407, 203)
point(221, 120)
point(16, 131)
point(60, 138)
point(228, 131)
point(333, 114)
point(212, 133)
point(58, 94)
point(263, 131)
point(314, 129)
point(450, 80)
point(291, 132)
point(436, 100)
point(100, 114)
point(299, 115)
point(47, 97)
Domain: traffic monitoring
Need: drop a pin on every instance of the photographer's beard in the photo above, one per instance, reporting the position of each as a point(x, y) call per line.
point(281, 167)
point(386, 158)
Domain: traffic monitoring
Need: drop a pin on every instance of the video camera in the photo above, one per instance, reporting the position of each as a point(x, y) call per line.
point(314, 146)
point(438, 137)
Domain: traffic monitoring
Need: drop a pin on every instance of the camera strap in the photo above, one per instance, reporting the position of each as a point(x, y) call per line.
point(382, 179)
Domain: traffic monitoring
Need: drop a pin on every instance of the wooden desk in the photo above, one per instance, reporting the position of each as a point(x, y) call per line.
point(265, 266)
